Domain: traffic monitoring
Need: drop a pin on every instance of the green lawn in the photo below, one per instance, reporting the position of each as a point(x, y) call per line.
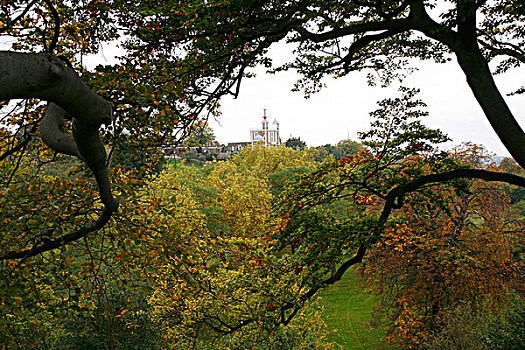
point(348, 309)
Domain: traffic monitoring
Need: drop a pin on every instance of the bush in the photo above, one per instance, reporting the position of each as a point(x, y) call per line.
point(307, 331)
point(462, 329)
point(508, 333)
point(467, 328)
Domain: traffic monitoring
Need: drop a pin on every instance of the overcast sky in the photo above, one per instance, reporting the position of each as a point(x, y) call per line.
point(341, 110)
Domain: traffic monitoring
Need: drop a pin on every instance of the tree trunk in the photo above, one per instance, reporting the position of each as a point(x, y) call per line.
point(481, 82)
point(464, 43)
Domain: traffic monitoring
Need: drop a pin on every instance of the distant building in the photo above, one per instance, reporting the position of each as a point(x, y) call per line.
point(212, 147)
point(235, 147)
point(179, 151)
point(265, 135)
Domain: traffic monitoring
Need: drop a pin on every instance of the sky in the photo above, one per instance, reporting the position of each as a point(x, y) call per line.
point(342, 109)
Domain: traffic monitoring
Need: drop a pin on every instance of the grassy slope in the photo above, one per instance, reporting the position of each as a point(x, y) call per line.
point(348, 309)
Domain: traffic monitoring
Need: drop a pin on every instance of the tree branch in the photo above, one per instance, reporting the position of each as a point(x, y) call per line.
point(20, 145)
point(394, 200)
point(354, 48)
point(56, 31)
point(394, 25)
point(511, 50)
point(61, 241)
point(364, 41)
point(52, 132)
point(466, 18)
point(425, 24)
point(47, 77)
point(19, 17)
point(44, 76)
point(93, 152)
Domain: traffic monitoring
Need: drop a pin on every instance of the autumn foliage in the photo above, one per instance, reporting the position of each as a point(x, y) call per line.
point(441, 251)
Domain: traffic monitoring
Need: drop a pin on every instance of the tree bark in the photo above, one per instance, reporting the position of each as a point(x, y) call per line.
point(44, 76)
point(52, 131)
point(499, 115)
point(464, 44)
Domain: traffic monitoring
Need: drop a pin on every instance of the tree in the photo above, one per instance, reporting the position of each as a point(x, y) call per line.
point(295, 143)
point(47, 299)
point(181, 57)
point(210, 263)
point(348, 148)
point(344, 148)
point(189, 262)
point(199, 137)
point(335, 37)
point(134, 103)
point(398, 161)
point(443, 252)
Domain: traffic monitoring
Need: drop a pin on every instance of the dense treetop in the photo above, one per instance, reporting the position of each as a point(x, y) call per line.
point(238, 248)
point(180, 57)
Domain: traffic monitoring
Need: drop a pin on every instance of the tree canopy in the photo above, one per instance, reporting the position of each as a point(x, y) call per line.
point(180, 57)
point(295, 143)
point(337, 37)
point(185, 244)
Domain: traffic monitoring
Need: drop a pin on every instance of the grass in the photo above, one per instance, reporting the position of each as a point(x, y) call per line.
point(349, 310)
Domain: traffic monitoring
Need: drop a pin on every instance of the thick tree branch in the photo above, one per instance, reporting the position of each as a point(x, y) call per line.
point(424, 23)
point(479, 77)
point(393, 25)
point(48, 245)
point(356, 259)
point(466, 18)
point(481, 82)
point(43, 76)
point(394, 200)
point(46, 77)
point(52, 132)
point(92, 150)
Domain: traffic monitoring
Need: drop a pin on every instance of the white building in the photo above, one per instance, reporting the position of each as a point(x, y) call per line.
point(270, 137)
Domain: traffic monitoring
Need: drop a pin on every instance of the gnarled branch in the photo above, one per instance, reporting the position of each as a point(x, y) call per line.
point(46, 77)
point(43, 76)
point(52, 132)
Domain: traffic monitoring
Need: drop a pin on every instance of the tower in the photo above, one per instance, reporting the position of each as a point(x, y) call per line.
point(270, 136)
point(276, 124)
point(265, 129)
